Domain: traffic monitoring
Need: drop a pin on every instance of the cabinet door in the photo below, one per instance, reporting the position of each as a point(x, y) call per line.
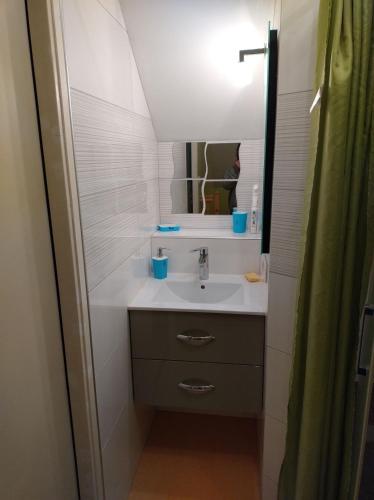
point(220, 338)
point(213, 387)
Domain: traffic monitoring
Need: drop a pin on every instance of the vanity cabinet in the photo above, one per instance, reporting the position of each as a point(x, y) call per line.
point(198, 361)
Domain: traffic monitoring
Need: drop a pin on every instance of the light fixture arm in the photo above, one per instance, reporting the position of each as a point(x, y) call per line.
point(249, 52)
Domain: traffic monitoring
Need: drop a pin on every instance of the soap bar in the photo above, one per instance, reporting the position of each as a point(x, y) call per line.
point(168, 227)
point(252, 277)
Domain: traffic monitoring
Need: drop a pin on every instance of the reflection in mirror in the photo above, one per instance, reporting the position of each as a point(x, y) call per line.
point(218, 164)
point(233, 169)
point(186, 196)
point(189, 159)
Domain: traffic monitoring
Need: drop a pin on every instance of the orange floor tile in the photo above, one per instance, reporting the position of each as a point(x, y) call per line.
point(199, 457)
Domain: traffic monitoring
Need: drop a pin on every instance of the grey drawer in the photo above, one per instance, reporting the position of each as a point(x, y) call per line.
point(225, 338)
point(235, 389)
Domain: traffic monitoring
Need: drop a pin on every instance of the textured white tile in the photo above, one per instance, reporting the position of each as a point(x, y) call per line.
point(117, 165)
point(298, 44)
point(97, 52)
point(292, 140)
point(290, 166)
point(287, 221)
point(278, 367)
point(269, 489)
point(274, 447)
point(281, 312)
point(109, 243)
point(226, 256)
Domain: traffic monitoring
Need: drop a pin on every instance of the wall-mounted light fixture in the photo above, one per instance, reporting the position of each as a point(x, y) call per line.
point(248, 52)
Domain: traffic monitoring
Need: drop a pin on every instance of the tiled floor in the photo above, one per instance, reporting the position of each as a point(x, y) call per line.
point(199, 457)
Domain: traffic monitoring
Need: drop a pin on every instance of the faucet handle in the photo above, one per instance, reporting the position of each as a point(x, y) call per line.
point(202, 250)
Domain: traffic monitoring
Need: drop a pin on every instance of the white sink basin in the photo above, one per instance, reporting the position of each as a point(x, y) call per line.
point(200, 292)
point(221, 293)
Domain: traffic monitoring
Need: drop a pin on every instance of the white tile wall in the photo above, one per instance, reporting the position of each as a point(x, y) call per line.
point(117, 169)
point(269, 489)
point(111, 343)
point(226, 256)
point(116, 163)
point(118, 456)
point(280, 319)
point(295, 81)
point(291, 160)
point(278, 366)
point(274, 446)
point(298, 44)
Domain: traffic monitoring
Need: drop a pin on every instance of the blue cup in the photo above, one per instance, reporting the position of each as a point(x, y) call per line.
point(239, 221)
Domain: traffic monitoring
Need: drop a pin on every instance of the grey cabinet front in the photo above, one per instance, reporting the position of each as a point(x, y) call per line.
point(198, 361)
point(212, 387)
point(219, 338)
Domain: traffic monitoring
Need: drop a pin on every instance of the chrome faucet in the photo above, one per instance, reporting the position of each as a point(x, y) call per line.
point(203, 262)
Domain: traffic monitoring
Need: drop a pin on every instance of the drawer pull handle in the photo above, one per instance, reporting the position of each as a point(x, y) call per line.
point(194, 340)
point(196, 389)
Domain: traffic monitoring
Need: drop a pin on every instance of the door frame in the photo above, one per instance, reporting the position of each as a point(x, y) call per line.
point(45, 25)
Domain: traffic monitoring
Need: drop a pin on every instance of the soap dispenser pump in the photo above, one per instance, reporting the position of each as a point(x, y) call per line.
point(160, 264)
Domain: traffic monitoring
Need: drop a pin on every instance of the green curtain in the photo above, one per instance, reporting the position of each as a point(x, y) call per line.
point(337, 246)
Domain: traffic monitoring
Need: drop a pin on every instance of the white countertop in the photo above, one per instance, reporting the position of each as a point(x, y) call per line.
point(231, 294)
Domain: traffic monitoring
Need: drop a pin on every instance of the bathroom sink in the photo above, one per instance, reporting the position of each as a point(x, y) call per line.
point(223, 293)
point(200, 292)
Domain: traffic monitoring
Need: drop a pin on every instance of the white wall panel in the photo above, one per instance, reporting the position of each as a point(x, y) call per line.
point(274, 446)
point(98, 52)
point(117, 169)
point(114, 9)
point(280, 319)
point(298, 45)
point(187, 55)
point(226, 256)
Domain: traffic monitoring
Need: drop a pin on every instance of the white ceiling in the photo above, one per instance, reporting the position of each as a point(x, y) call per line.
point(187, 56)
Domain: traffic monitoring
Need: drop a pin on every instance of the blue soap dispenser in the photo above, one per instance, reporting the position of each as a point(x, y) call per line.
point(160, 264)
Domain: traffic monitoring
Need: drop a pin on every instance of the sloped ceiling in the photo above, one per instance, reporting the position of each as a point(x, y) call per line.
point(187, 56)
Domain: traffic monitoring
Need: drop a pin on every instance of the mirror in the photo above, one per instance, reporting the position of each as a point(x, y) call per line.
point(210, 178)
point(218, 164)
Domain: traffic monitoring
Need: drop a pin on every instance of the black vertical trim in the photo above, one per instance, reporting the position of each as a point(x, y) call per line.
point(51, 239)
point(189, 175)
point(271, 111)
